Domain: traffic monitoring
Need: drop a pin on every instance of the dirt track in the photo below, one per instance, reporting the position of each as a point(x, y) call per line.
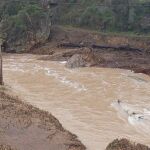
point(24, 127)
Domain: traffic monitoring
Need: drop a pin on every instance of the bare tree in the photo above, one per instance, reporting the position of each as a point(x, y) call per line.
point(1, 65)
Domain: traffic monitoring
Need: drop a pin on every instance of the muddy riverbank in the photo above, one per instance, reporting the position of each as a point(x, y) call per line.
point(134, 54)
point(24, 127)
point(139, 62)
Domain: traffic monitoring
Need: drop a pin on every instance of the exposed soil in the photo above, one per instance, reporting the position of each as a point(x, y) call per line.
point(24, 127)
point(138, 61)
point(125, 144)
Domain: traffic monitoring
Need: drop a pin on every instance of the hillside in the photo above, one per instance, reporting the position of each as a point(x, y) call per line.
point(26, 24)
point(23, 23)
point(106, 15)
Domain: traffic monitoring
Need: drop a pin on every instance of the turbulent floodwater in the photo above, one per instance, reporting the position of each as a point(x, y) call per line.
point(85, 100)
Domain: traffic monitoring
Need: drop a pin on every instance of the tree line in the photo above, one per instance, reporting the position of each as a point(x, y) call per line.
point(24, 22)
point(106, 15)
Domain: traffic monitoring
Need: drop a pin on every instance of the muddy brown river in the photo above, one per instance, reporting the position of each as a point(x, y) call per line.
point(96, 104)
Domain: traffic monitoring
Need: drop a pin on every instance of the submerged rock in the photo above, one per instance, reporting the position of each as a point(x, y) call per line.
point(125, 144)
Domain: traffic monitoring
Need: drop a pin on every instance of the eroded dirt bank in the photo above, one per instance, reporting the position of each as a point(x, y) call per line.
point(138, 62)
point(136, 55)
point(24, 127)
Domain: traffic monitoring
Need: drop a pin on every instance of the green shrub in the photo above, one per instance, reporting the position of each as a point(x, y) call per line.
point(114, 15)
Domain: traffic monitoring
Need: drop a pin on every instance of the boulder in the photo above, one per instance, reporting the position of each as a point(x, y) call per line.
point(86, 59)
point(76, 61)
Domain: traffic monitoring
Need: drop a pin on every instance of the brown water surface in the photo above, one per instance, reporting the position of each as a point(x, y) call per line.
point(85, 99)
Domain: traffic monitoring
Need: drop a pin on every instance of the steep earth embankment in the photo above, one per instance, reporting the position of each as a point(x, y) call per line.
point(128, 53)
point(24, 127)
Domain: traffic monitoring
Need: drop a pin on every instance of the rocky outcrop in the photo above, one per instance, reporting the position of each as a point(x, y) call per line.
point(87, 59)
point(125, 144)
point(76, 61)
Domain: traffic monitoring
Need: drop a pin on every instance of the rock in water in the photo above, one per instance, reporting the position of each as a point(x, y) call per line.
point(86, 59)
point(76, 61)
point(125, 144)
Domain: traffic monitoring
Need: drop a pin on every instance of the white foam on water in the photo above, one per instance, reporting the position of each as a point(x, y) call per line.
point(15, 69)
point(122, 110)
point(139, 118)
point(62, 79)
point(146, 111)
point(11, 65)
point(63, 62)
point(137, 79)
point(19, 67)
point(36, 68)
point(135, 119)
